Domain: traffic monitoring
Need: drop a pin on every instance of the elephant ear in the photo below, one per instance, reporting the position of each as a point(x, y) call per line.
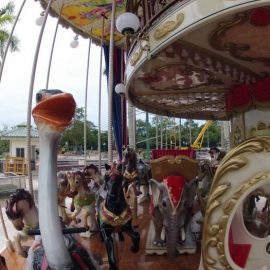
point(157, 189)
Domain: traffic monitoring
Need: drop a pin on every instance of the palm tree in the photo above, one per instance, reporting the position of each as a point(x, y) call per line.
point(7, 17)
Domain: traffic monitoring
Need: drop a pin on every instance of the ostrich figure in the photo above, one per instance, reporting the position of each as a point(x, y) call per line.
point(53, 113)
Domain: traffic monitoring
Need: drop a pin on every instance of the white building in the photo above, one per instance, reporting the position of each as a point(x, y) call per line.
point(18, 143)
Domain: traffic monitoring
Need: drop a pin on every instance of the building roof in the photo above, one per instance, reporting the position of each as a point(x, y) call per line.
point(19, 131)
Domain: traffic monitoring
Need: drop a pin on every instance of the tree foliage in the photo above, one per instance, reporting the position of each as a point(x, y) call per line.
point(73, 137)
point(4, 145)
point(189, 132)
point(7, 17)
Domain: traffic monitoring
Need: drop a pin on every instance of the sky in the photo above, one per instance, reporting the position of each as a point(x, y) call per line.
point(68, 71)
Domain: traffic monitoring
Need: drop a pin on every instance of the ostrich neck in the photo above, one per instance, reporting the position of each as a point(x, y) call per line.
point(49, 221)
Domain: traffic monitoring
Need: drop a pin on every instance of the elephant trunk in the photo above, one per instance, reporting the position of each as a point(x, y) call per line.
point(172, 236)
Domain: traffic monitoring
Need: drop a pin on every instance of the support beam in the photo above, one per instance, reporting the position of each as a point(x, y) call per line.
point(30, 98)
point(110, 101)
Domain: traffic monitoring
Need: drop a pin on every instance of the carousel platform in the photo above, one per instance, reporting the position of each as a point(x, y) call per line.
point(127, 260)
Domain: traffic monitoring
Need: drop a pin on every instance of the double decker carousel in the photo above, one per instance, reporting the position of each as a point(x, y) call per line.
point(178, 58)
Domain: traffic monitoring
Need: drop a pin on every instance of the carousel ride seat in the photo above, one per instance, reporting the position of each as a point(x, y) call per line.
point(169, 165)
point(176, 175)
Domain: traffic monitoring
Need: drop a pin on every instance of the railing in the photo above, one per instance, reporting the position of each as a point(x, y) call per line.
point(148, 11)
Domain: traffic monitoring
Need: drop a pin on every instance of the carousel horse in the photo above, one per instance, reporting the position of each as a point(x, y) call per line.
point(84, 201)
point(144, 175)
point(206, 175)
point(63, 191)
point(22, 212)
point(91, 171)
point(115, 215)
point(131, 179)
point(3, 265)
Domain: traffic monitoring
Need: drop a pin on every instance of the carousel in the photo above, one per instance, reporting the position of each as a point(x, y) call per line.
point(175, 58)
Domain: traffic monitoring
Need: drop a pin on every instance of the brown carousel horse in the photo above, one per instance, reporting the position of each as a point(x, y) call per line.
point(91, 172)
point(23, 213)
point(131, 180)
point(63, 192)
point(3, 265)
point(115, 215)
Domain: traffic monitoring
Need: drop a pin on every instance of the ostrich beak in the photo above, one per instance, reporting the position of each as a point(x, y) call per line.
point(56, 110)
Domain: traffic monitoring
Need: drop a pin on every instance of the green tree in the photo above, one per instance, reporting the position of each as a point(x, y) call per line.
point(4, 145)
point(7, 17)
point(189, 132)
point(212, 135)
point(73, 137)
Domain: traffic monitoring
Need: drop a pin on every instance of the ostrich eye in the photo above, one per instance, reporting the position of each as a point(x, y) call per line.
point(38, 97)
point(77, 181)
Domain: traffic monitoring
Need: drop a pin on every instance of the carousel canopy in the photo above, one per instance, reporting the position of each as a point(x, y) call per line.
point(85, 16)
point(194, 75)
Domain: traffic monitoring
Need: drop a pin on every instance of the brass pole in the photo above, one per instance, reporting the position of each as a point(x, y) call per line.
point(30, 97)
point(110, 85)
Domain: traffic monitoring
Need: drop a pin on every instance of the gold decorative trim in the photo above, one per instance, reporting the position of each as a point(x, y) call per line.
point(179, 165)
point(214, 232)
point(109, 217)
point(168, 26)
point(136, 57)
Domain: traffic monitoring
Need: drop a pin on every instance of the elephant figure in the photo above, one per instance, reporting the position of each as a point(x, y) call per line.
point(172, 201)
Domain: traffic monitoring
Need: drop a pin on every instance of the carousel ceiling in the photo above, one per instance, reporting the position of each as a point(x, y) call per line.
point(85, 16)
point(191, 77)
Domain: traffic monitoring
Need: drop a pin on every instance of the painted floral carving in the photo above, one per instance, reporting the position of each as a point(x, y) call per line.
point(245, 36)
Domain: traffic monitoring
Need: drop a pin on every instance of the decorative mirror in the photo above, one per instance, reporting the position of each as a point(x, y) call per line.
point(256, 212)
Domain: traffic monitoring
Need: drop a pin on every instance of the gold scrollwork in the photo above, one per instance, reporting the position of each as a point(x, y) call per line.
point(136, 57)
point(168, 26)
point(214, 232)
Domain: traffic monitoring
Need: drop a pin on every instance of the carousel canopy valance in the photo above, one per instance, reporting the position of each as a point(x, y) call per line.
point(85, 16)
point(191, 71)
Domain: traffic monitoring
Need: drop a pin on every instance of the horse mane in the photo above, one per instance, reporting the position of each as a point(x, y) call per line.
point(18, 195)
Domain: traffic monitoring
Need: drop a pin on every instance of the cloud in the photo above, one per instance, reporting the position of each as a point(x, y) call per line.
point(68, 70)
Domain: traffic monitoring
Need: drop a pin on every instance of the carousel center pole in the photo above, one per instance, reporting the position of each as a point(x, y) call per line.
point(85, 100)
point(10, 39)
point(99, 93)
point(180, 137)
point(110, 101)
point(30, 97)
point(147, 136)
point(157, 120)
